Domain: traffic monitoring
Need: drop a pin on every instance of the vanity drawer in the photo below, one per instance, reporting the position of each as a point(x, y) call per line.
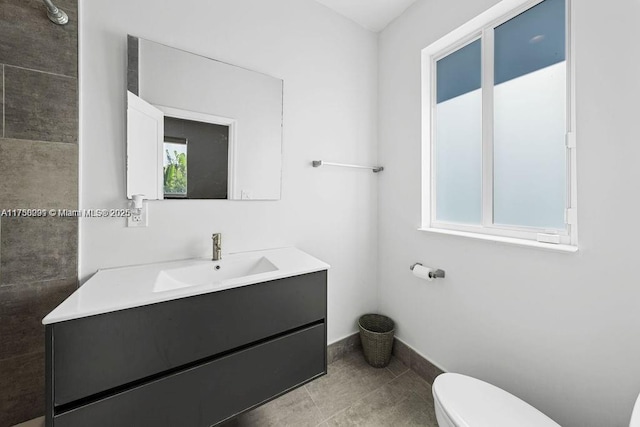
point(102, 353)
point(213, 391)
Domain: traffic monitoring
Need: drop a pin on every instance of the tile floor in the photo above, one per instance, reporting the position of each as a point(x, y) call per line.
point(351, 394)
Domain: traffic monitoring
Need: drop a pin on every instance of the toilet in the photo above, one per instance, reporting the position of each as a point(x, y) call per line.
point(462, 401)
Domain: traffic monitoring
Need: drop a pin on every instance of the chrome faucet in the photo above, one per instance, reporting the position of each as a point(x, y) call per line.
point(217, 246)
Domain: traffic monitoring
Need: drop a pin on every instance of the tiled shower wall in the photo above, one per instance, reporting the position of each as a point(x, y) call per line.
point(38, 169)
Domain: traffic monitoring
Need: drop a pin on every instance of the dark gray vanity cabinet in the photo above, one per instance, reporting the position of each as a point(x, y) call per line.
point(192, 361)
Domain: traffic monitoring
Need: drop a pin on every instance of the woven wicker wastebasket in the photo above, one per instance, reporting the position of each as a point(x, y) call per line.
point(376, 334)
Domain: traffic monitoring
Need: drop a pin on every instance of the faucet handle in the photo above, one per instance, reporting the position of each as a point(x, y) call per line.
point(217, 246)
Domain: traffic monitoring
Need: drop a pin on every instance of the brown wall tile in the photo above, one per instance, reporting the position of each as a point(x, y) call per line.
point(1, 101)
point(132, 64)
point(424, 368)
point(38, 175)
point(38, 249)
point(30, 40)
point(343, 347)
point(402, 352)
point(22, 385)
point(40, 106)
point(38, 256)
point(23, 307)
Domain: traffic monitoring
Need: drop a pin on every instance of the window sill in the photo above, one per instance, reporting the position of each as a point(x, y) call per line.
point(507, 240)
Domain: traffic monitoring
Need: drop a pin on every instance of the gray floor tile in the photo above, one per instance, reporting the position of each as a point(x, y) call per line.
point(36, 422)
point(411, 411)
point(410, 381)
point(348, 380)
point(397, 367)
point(293, 409)
point(405, 401)
point(364, 395)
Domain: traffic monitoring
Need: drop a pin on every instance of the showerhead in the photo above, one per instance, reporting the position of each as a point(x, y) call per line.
point(57, 16)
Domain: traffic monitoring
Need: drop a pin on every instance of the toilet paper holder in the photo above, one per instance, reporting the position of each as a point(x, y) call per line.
point(438, 274)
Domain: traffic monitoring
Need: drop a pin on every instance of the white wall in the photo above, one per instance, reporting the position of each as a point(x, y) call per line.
point(559, 330)
point(329, 67)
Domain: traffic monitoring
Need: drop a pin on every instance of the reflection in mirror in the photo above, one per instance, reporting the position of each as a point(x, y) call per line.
point(202, 171)
point(221, 127)
point(174, 168)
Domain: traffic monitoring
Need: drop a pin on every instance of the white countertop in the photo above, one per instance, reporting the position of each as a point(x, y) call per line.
point(120, 288)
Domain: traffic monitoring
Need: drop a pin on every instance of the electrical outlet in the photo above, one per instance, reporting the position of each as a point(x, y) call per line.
point(140, 220)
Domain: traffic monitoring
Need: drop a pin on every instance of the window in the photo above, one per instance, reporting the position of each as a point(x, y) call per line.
point(498, 127)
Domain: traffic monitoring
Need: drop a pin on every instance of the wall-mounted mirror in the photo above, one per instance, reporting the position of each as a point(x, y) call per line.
point(198, 128)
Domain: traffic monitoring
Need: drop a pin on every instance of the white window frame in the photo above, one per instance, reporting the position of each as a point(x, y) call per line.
point(483, 27)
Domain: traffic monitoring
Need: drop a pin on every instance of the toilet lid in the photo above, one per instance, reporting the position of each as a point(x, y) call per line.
point(469, 402)
point(635, 415)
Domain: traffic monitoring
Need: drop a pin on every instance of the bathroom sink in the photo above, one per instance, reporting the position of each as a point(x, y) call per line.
point(211, 272)
point(120, 288)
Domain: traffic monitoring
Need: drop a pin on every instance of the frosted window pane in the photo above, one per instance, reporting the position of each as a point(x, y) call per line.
point(530, 119)
point(459, 72)
point(533, 40)
point(458, 137)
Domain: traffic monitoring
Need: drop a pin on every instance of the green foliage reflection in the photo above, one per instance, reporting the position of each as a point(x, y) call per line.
point(175, 173)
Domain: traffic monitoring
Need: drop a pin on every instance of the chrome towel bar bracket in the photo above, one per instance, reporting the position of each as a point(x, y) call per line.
point(318, 163)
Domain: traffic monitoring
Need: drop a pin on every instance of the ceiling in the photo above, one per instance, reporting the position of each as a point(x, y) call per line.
point(373, 15)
